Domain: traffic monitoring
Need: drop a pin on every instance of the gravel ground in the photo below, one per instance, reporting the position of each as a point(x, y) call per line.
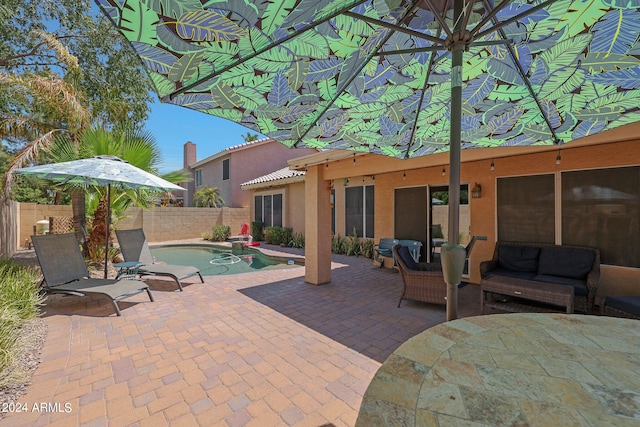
point(18, 374)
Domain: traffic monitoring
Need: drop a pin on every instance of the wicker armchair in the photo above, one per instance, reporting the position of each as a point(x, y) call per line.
point(422, 281)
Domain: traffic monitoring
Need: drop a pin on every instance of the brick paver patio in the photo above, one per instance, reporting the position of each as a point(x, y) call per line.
point(260, 349)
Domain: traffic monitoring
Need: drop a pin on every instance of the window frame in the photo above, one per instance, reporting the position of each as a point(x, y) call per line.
point(226, 169)
point(197, 177)
point(367, 225)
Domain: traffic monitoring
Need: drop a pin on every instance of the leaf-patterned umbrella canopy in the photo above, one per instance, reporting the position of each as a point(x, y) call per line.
point(376, 75)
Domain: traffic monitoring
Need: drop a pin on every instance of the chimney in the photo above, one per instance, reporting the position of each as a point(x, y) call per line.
point(189, 154)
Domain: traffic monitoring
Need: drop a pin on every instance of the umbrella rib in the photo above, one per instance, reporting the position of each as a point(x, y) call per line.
point(395, 27)
point(524, 78)
point(488, 18)
point(353, 76)
point(443, 24)
point(261, 51)
point(424, 90)
point(436, 49)
point(476, 35)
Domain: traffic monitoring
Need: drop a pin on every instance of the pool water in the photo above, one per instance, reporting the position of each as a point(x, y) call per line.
point(216, 261)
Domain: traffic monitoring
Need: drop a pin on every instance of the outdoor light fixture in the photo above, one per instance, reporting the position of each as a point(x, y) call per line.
point(443, 172)
point(476, 192)
point(404, 175)
point(558, 158)
point(493, 166)
point(354, 159)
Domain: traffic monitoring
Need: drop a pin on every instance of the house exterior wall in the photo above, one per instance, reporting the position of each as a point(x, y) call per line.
point(482, 212)
point(295, 207)
point(246, 162)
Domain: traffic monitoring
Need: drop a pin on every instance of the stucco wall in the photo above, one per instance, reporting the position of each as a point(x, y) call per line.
point(482, 212)
point(295, 207)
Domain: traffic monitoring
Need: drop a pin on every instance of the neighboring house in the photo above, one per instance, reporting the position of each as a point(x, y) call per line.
point(585, 193)
point(277, 199)
point(235, 165)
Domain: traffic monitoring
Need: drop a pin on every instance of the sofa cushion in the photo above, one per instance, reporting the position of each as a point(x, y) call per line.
point(407, 259)
point(518, 258)
point(566, 262)
point(526, 275)
point(579, 286)
point(626, 303)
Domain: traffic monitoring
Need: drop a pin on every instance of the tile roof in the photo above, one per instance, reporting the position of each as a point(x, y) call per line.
point(279, 175)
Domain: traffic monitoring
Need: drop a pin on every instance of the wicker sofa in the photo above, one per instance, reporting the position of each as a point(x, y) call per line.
point(422, 281)
point(574, 266)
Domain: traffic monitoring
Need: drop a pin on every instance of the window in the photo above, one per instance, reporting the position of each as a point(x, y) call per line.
point(359, 205)
point(225, 169)
point(600, 208)
point(268, 210)
point(197, 177)
point(526, 207)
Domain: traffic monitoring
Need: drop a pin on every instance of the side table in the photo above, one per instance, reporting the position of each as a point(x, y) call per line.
point(127, 270)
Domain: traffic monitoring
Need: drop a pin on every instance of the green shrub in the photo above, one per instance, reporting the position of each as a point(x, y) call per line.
point(221, 233)
point(367, 247)
point(278, 235)
point(20, 300)
point(206, 235)
point(257, 230)
point(297, 240)
point(337, 244)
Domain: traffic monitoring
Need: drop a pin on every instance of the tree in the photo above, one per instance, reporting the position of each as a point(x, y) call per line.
point(250, 137)
point(136, 147)
point(56, 36)
point(61, 69)
point(208, 197)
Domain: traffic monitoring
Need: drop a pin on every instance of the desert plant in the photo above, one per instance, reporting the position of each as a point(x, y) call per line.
point(221, 233)
point(367, 247)
point(297, 240)
point(337, 244)
point(20, 299)
point(287, 236)
point(206, 235)
point(352, 244)
point(257, 230)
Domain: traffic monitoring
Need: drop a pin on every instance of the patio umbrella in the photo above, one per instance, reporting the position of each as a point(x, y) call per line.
point(101, 171)
point(401, 78)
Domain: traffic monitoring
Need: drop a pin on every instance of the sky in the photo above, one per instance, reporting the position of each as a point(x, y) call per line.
point(172, 126)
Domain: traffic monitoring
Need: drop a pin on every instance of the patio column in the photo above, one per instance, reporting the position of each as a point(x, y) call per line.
point(317, 226)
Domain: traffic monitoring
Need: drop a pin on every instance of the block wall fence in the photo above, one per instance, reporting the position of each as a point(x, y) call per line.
point(159, 224)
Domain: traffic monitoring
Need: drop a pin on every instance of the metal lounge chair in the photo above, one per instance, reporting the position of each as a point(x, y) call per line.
point(383, 250)
point(134, 247)
point(64, 271)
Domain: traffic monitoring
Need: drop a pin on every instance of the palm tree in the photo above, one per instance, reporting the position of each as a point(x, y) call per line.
point(56, 106)
point(250, 137)
point(137, 148)
point(208, 197)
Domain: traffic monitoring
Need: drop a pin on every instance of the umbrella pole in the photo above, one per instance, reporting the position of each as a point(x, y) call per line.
point(450, 256)
point(106, 235)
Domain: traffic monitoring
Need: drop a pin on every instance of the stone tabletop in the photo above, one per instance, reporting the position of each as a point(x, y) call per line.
point(512, 370)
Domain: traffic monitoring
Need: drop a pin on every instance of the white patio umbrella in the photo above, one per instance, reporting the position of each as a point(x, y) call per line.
point(101, 171)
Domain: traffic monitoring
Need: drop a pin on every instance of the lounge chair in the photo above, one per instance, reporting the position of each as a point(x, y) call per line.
point(134, 247)
point(383, 250)
point(65, 271)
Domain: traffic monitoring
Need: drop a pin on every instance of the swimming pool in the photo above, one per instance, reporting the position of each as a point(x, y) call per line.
point(218, 260)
